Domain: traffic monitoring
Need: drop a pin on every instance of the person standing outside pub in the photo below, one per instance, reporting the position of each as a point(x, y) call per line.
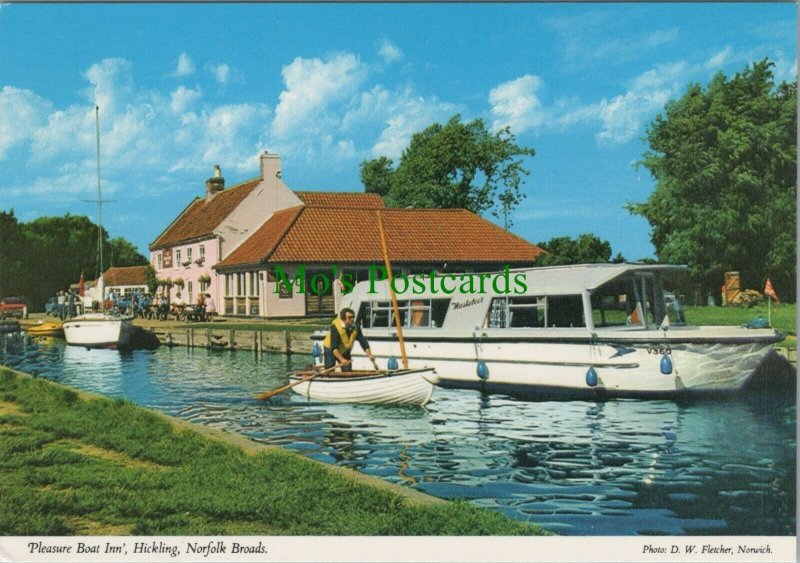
point(338, 344)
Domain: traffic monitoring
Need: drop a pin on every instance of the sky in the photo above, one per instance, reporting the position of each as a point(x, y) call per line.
point(184, 87)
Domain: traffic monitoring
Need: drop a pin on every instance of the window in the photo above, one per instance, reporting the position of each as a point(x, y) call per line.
point(240, 280)
point(189, 254)
point(189, 289)
point(254, 286)
point(554, 311)
point(158, 261)
point(204, 286)
point(178, 257)
point(228, 285)
point(416, 313)
point(202, 252)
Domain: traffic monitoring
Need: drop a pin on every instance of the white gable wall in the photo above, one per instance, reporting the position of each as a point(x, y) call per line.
point(269, 196)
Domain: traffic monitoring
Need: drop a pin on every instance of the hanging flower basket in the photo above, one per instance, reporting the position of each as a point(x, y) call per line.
point(205, 278)
point(164, 283)
point(179, 282)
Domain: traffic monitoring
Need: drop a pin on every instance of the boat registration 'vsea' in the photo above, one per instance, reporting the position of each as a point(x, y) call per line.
point(583, 330)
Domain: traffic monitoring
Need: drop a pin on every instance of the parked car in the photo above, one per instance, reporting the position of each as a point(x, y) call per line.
point(14, 307)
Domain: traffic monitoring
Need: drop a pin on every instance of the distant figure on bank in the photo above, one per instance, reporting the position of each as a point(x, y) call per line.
point(338, 344)
point(61, 299)
point(71, 301)
point(211, 307)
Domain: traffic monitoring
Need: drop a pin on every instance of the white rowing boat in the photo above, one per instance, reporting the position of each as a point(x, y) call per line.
point(405, 386)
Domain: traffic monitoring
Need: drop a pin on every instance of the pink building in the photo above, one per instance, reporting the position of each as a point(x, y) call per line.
point(210, 227)
point(231, 242)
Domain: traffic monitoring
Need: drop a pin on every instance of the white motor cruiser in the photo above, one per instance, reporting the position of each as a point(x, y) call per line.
point(597, 330)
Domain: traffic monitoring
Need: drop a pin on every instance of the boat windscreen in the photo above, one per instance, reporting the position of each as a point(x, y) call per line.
point(629, 300)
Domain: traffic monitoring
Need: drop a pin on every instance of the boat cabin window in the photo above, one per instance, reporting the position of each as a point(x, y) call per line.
point(414, 313)
point(553, 311)
point(629, 300)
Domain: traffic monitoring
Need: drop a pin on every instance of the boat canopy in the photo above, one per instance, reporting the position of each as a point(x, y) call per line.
point(575, 279)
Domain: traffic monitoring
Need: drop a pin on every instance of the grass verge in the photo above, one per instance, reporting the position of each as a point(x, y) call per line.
point(75, 464)
point(784, 318)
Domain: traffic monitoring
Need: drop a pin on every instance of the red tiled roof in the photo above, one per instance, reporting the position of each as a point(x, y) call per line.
point(341, 199)
point(202, 216)
point(412, 235)
point(129, 275)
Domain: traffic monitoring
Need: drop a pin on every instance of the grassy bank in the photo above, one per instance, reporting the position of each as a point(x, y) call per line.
point(784, 318)
point(77, 464)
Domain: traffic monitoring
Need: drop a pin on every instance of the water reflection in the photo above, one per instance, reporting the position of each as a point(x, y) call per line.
point(577, 467)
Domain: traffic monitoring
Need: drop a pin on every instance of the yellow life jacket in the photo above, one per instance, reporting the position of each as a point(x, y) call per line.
point(345, 342)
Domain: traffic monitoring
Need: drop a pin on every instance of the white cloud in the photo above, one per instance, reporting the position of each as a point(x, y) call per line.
point(182, 98)
point(785, 69)
point(111, 83)
point(66, 132)
point(185, 66)
point(221, 72)
point(22, 113)
point(659, 76)
point(372, 106)
point(312, 85)
point(409, 114)
point(719, 59)
point(142, 132)
point(622, 117)
point(389, 52)
point(661, 37)
point(516, 104)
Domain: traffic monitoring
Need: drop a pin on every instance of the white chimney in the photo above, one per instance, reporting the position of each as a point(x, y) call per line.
point(270, 167)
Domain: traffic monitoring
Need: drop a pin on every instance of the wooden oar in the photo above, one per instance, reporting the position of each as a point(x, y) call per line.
point(267, 394)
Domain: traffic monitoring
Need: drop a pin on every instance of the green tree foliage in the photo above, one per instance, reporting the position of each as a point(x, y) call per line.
point(724, 161)
point(456, 165)
point(11, 263)
point(586, 249)
point(121, 252)
point(50, 253)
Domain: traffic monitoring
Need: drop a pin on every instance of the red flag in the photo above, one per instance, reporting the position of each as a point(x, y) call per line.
point(769, 292)
point(81, 286)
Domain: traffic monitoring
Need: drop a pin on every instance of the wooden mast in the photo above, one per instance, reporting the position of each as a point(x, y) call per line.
point(397, 323)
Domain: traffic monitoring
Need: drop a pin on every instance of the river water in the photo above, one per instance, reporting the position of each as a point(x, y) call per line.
point(618, 467)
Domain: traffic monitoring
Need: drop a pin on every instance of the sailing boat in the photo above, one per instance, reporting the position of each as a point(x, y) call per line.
point(104, 329)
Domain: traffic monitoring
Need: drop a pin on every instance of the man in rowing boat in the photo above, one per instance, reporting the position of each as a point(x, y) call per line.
point(338, 344)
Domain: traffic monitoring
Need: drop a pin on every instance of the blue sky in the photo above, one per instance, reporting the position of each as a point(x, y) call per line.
point(184, 87)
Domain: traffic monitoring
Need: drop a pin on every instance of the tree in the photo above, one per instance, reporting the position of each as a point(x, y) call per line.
point(123, 253)
point(456, 165)
point(12, 252)
point(586, 249)
point(50, 253)
point(724, 161)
